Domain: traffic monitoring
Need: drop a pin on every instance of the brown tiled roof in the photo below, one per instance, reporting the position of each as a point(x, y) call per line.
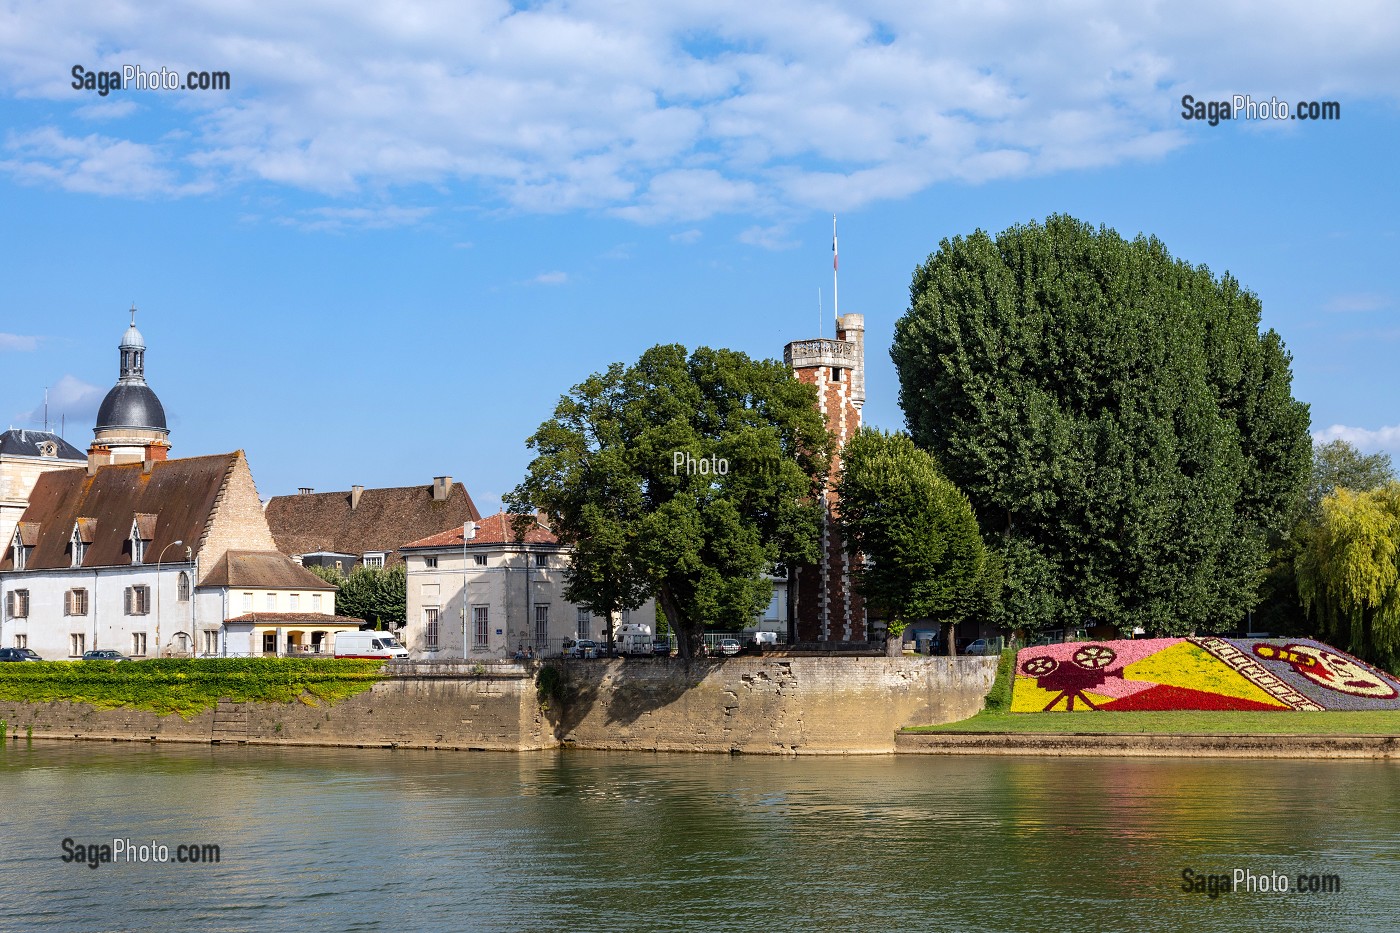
point(496, 529)
point(265, 569)
point(87, 529)
point(180, 493)
point(308, 618)
point(384, 520)
point(28, 534)
point(145, 525)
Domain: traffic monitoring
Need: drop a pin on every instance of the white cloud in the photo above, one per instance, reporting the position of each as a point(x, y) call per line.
point(662, 112)
point(338, 219)
point(551, 278)
point(70, 398)
point(774, 237)
point(687, 237)
point(1357, 302)
point(18, 342)
point(1365, 439)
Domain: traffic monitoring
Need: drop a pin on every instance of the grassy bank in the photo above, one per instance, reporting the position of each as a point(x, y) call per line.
point(1375, 722)
point(187, 686)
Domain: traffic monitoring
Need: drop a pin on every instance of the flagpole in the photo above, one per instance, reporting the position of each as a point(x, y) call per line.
point(835, 262)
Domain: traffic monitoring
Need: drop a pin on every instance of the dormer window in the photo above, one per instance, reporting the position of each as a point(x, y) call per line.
point(20, 551)
point(83, 531)
point(143, 529)
point(79, 547)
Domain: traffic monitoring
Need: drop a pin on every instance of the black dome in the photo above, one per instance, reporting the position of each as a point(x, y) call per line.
point(131, 406)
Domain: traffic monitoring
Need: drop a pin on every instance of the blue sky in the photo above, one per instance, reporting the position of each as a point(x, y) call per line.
point(386, 251)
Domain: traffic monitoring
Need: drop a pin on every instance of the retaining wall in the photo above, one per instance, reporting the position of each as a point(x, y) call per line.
point(793, 705)
point(761, 705)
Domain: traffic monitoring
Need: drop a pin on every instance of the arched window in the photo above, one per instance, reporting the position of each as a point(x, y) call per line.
point(183, 587)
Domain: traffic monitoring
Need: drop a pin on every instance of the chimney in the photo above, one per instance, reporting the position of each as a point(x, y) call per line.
point(355, 493)
point(94, 460)
point(442, 487)
point(146, 465)
point(304, 490)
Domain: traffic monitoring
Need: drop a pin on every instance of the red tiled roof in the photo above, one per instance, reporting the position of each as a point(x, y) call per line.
point(383, 520)
point(265, 569)
point(180, 493)
point(493, 530)
point(298, 618)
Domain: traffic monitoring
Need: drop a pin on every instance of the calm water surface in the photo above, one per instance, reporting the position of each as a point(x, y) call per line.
point(323, 839)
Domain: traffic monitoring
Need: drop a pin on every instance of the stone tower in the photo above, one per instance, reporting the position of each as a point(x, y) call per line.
point(131, 422)
point(826, 606)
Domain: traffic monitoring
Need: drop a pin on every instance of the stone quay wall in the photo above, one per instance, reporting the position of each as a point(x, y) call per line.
point(418, 706)
point(778, 705)
point(751, 705)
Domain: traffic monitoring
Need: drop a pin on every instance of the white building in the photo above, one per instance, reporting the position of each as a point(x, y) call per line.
point(514, 593)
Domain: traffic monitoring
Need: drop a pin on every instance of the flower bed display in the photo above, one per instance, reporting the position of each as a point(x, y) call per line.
point(1203, 673)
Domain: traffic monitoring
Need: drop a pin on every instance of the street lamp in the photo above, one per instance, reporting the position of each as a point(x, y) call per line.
point(159, 557)
point(468, 532)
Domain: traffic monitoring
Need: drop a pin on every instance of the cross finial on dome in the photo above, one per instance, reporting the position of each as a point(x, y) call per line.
point(133, 314)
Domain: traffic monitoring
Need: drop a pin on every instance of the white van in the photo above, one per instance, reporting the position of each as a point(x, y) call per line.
point(633, 639)
point(369, 645)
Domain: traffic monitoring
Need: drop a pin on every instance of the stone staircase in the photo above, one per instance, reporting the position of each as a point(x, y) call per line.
point(230, 723)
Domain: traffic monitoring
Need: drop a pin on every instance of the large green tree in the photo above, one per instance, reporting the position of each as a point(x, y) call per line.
point(921, 554)
point(1114, 414)
point(684, 477)
point(378, 595)
point(1349, 571)
point(1335, 465)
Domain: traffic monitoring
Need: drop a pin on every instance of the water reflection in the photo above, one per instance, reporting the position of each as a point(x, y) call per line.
point(398, 840)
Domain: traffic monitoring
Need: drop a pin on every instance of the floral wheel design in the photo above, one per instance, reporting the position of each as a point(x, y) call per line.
point(1039, 667)
point(1094, 657)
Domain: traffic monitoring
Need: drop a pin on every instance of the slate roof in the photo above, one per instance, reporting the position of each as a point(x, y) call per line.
point(384, 520)
point(180, 493)
point(131, 405)
point(495, 530)
point(263, 569)
point(21, 443)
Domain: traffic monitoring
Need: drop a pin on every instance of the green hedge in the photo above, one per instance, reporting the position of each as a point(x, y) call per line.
point(999, 699)
point(187, 686)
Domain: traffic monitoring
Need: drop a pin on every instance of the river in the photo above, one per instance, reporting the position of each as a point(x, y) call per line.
point(337, 839)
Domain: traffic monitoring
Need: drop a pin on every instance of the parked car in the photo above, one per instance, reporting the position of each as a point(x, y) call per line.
point(979, 647)
point(662, 649)
point(729, 646)
point(19, 654)
point(584, 648)
point(103, 654)
point(369, 644)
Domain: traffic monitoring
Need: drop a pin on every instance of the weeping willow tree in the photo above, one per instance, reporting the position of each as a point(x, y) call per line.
point(1348, 571)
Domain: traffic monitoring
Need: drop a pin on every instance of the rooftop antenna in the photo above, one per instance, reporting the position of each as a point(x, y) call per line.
point(46, 409)
point(835, 294)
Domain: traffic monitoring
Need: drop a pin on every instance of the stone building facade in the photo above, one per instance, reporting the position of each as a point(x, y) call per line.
point(514, 593)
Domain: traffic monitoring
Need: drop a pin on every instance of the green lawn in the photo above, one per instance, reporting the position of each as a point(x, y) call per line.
point(1375, 722)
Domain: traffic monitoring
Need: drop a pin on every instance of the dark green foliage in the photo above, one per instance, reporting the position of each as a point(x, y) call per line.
point(999, 698)
point(922, 552)
point(604, 473)
point(549, 685)
point(375, 594)
point(1113, 414)
point(187, 685)
point(1338, 464)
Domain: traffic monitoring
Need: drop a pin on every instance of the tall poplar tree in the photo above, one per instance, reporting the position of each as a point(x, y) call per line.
point(1115, 416)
